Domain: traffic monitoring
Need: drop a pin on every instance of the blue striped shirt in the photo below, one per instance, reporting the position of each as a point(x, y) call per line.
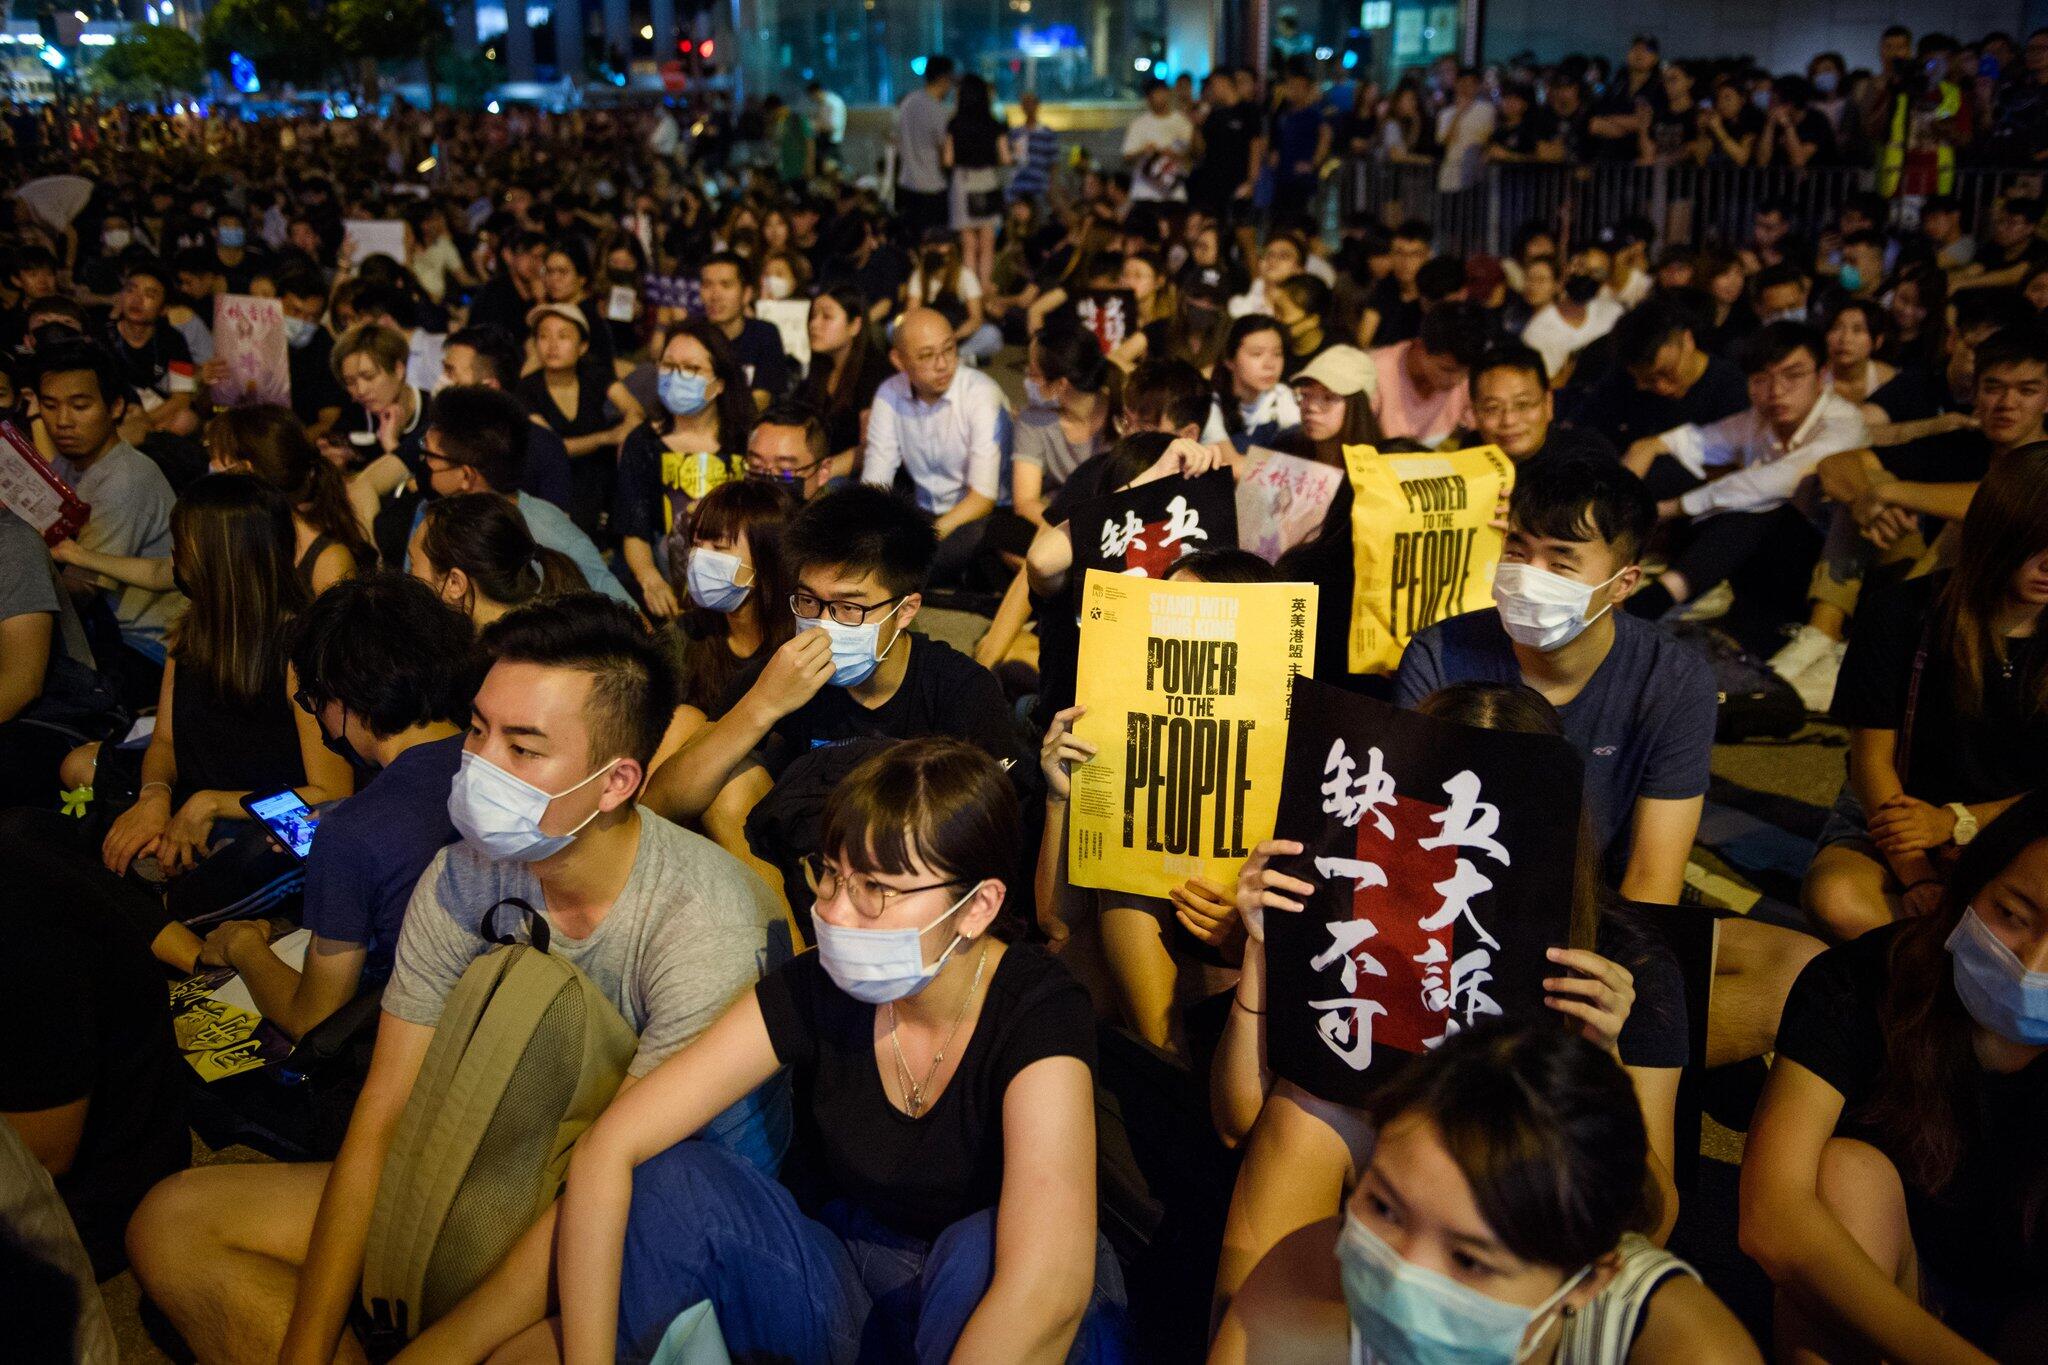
point(1036, 151)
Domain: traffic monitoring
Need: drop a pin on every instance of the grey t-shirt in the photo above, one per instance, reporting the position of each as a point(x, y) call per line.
point(28, 584)
point(1037, 438)
point(131, 504)
point(921, 142)
point(691, 930)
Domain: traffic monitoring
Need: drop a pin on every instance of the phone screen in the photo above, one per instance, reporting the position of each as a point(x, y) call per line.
point(287, 817)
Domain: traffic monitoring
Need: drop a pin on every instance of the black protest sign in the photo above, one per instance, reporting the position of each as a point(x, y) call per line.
point(1111, 315)
point(1145, 530)
point(1443, 859)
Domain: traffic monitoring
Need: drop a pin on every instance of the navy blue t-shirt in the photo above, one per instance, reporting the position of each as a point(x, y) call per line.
point(370, 849)
point(1644, 723)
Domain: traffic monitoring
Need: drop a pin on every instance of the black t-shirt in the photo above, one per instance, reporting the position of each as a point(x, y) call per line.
point(314, 386)
point(1992, 256)
point(1815, 130)
point(758, 348)
point(110, 1043)
point(1673, 130)
point(1058, 617)
point(1748, 123)
point(842, 421)
point(1908, 396)
point(1616, 408)
point(943, 692)
point(1565, 443)
point(2001, 750)
point(1952, 457)
point(1620, 101)
point(1970, 1235)
point(974, 142)
point(500, 304)
point(148, 366)
point(1400, 319)
point(1227, 136)
point(1538, 126)
point(919, 1176)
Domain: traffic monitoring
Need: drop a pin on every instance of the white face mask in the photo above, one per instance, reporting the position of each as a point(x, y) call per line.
point(777, 286)
point(876, 966)
point(1543, 610)
point(500, 814)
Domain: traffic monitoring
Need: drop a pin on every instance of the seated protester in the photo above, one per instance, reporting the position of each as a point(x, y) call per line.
point(1284, 256)
point(384, 670)
point(515, 288)
point(1718, 270)
point(1301, 305)
point(1093, 296)
point(31, 273)
point(100, 1102)
point(1335, 391)
point(2013, 245)
point(1637, 705)
point(860, 560)
point(1750, 515)
point(565, 279)
point(51, 697)
point(1580, 313)
point(476, 443)
point(1253, 406)
point(665, 925)
point(478, 555)
point(678, 455)
point(268, 441)
point(488, 357)
point(787, 447)
point(942, 283)
point(1075, 391)
point(82, 400)
point(1422, 395)
point(1448, 1249)
point(395, 305)
point(947, 427)
point(1782, 292)
point(317, 399)
point(959, 1186)
point(1619, 983)
point(1891, 1178)
point(1131, 940)
point(726, 282)
point(1513, 408)
point(1942, 691)
point(225, 728)
point(1662, 378)
point(1158, 327)
point(737, 583)
point(1884, 392)
point(849, 362)
point(581, 402)
point(150, 355)
point(1393, 307)
point(385, 432)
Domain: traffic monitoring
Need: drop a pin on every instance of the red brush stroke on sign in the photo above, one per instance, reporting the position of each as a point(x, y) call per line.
point(1396, 910)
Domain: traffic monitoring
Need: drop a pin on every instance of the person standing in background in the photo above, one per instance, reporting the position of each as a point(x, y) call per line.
point(828, 122)
point(920, 149)
point(1034, 151)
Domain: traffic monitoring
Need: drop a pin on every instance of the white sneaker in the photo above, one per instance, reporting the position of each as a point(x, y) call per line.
point(1710, 605)
point(1800, 654)
point(1816, 685)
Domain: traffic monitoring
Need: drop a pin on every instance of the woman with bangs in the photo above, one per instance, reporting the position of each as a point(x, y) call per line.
point(943, 1078)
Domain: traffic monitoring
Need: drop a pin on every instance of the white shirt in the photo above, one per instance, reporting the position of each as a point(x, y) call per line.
point(968, 289)
point(1166, 132)
point(831, 116)
point(1558, 341)
point(431, 266)
point(1768, 471)
point(423, 364)
point(1463, 134)
point(1276, 406)
point(951, 447)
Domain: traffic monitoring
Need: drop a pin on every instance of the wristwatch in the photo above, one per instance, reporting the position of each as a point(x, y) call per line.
point(1966, 824)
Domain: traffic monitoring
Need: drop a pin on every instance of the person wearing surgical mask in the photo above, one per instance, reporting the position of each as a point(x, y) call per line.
point(555, 851)
point(1897, 1144)
point(1447, 1251)
point(947, 1071)
point(1637, 705)
point(316, 394)
point(859, 559)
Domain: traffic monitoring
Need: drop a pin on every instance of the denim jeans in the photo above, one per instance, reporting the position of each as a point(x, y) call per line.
point(706, 1224)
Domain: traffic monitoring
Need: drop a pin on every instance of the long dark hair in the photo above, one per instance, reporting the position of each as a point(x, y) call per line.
point(1546, 1130)
point(971, 105)
point(1361, 427)
point(274, 444)
point(1923, 1099)
point(232, 544)
point(759, 510)
point(818, 390)
point(735, 401)
point(1928, 350)
point(1242, 330)
point(483, 535)
point(2006, 526)
point(1068, 351)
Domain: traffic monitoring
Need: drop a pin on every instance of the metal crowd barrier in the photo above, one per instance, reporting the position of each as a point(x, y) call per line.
point(1686, 204)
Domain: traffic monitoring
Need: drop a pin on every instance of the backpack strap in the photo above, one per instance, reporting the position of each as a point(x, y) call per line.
point(537, 932)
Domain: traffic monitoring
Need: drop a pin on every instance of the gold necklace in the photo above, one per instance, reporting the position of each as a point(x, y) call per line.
point(913, 1092)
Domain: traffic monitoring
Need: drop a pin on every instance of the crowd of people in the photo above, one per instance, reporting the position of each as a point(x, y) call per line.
point(676, 546)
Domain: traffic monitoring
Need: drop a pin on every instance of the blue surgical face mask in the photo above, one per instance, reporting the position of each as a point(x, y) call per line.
point(1035, 394)
point(501, 815)
point(877, 966)
point(1851, 278)
point(854, 659)
point(1406, 1315)
point(713, 579)
point(1996, 987)
point(1788, 315)
point(683, 393)
point(298, 332)
point(232, 236)
point(1824, 82)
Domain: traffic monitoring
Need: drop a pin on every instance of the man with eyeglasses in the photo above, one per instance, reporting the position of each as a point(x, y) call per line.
point(1744, 485)
point(788, 446)
point(1512, 408)
point(860, 559)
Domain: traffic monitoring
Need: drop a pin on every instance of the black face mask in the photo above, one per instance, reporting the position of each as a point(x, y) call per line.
point(339, 746)
point(1581, 289)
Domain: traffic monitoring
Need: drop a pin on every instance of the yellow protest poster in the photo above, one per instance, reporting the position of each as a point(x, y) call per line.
point(1187, 687)
point(1423, 546)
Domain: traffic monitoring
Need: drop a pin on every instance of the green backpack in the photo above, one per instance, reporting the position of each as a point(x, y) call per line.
point(526, 1056)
